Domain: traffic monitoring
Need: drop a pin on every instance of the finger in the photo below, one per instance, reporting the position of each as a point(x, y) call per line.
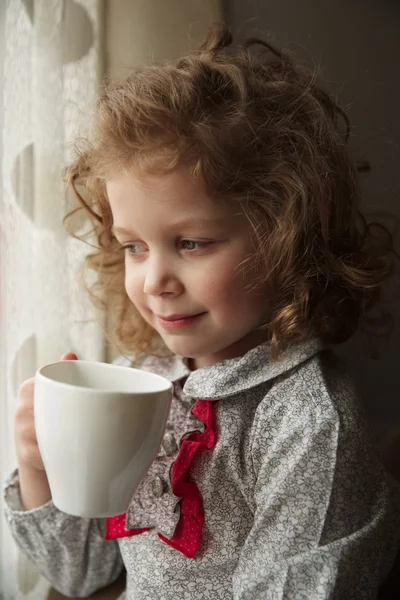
point(69, 356)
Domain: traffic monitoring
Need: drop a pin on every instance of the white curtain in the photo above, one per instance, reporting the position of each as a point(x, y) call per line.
point(54, 57)
point(52, 65)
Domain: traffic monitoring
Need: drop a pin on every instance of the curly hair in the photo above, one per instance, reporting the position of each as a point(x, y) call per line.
point(256, 127)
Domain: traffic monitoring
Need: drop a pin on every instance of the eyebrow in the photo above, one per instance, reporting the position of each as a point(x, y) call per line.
point(120, 230)
point(179, 224)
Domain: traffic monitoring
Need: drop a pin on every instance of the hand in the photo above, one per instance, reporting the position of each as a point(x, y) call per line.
point(27, 450)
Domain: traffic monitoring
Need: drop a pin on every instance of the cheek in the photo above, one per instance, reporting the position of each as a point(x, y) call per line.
point(133, 286)
point(226, 289)
point(234, 293)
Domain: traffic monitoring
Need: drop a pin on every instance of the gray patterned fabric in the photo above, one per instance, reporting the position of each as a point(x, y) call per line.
point(146, 509)
point(296, 502)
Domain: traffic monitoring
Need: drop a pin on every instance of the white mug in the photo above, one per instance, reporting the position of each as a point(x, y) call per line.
point(99, 428)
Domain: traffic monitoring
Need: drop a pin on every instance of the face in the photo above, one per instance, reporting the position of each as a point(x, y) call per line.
point(188, 264)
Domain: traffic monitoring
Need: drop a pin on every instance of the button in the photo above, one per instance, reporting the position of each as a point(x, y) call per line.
point(169, 444)
point(158, 487)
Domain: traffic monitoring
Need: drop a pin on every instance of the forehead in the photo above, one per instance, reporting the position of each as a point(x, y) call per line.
point(166, 196)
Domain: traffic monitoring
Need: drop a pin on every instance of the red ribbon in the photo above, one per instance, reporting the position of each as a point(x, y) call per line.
point(188, 530)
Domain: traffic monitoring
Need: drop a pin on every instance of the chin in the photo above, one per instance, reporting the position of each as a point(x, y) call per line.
point(187, 350)
point(191, 348)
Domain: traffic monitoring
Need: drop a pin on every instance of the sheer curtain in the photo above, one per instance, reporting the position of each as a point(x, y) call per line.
point(55, 52)
point(52, 65)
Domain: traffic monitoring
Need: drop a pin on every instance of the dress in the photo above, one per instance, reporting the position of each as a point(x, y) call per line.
point(267, 486)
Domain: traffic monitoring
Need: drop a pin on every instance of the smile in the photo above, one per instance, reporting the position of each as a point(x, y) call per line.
point(178, 321)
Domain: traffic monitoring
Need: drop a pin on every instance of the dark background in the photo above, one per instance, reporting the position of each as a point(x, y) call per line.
point(357, 44)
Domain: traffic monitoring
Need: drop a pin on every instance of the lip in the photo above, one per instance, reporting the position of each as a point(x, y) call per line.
point(178, 321)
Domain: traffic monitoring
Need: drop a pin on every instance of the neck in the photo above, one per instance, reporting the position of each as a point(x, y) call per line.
point(239, 348)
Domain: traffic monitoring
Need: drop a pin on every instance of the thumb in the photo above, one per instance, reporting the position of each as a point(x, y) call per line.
point(69, 356)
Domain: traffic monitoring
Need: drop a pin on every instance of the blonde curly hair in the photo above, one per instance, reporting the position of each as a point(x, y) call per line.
point(259, 131)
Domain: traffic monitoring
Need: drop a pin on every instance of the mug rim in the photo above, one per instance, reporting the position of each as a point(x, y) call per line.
point(41, 375)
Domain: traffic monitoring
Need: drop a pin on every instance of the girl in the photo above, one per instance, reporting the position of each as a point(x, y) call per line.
point(232, 254)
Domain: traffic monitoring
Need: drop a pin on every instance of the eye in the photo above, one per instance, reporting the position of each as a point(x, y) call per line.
point(134, 249)
point(191, 245)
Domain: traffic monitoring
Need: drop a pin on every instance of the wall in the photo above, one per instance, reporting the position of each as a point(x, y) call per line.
point(358, 45)
point(142, 31)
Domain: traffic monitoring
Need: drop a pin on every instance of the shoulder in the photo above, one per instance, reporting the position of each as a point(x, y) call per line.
point(311, 421)
point(123, 361)
point(320, 385)
point(170, 366)
point(316, 396)
point(145, 362)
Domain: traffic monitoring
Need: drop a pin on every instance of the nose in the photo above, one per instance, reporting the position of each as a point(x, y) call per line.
point(160, 278)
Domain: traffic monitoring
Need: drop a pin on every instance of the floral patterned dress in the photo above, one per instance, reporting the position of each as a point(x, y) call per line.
point(266, 486)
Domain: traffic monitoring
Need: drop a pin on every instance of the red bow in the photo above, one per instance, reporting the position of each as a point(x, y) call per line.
point(187, 533)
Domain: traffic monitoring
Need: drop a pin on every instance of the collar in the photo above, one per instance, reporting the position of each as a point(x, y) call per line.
point(232, 376)
point(235, 375)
